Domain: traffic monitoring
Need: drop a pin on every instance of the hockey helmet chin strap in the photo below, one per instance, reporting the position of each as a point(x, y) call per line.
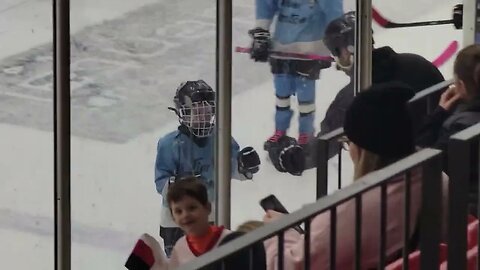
point(344, 67)
point(348, 67)
point(174, 110)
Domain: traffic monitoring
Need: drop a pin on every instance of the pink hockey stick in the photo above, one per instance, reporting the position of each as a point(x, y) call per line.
point(439, 61)
point(288, 54)
point(447, 54)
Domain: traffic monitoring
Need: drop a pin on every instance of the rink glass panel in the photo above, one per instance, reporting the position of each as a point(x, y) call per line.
point(26, 127)
point(128, 57)
point(254, 100)
point(253, 113)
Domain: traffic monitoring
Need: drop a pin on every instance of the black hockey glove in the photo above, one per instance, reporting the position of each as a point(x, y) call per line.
point(287, 156)
point(248, 162)
point(260, 44)
point(292, 159)
point(458, 16)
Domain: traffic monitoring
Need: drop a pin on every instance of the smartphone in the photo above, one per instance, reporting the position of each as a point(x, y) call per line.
point(272, 203)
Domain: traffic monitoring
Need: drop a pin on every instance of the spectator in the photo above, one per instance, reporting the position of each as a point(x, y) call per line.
point(378, 132)
point(241, 260)
point(459, 108)
point(190, 209)
point(249, 226)
point(200, 236)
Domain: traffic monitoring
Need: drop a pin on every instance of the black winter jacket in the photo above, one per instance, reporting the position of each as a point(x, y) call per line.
point(387, 66)
point(438, 128)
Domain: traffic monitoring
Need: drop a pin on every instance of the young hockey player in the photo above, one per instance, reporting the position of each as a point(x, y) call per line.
point(189, 151)
point(299, 28)
point(387, 66)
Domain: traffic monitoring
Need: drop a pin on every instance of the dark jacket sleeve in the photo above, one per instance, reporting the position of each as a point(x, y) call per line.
point(445, 134)
point(443, 138)
point(436, 135)
point(429, 134)
point(335, 114)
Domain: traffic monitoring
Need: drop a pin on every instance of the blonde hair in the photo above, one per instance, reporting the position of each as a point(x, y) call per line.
point(369, 162)
point(249, 226)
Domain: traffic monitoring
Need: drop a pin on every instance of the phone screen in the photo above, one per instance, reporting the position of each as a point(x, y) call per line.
point(272, 203)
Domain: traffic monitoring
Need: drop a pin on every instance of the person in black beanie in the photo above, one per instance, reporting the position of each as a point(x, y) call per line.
point(378, 127)
point(378, 132)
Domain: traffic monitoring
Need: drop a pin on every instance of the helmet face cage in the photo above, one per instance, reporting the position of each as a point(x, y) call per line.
point(199, 117)
point(195, 106)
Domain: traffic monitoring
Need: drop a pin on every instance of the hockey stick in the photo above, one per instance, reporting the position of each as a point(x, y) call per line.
point(447, 54)
point(383, 22)
point(439, 61)
point(289, 54)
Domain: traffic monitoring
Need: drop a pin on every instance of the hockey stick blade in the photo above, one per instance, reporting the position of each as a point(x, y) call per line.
point(383, 22)
point(447, 54)
point(289, 54)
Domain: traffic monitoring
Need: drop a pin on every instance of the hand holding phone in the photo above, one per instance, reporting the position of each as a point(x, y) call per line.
point(272, 203)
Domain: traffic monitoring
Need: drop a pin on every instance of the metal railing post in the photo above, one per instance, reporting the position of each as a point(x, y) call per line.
point(223, 115)
point(61, 114)
point(430, 213)
point(363, 46)
point(322, 168)
point(459, 155)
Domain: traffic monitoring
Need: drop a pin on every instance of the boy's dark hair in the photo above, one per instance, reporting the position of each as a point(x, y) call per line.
point(188, 186)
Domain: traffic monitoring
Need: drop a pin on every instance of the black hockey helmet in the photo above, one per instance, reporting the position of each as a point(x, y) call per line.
point(340, 33)
point(195, 107)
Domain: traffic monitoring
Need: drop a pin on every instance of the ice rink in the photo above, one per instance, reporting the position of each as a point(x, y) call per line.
point(127, 59)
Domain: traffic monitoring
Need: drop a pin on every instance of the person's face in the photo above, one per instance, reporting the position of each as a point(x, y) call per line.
point(354, 151)
point(460, 87)
point(199, 118)
point(201, 115)
point(190, 215)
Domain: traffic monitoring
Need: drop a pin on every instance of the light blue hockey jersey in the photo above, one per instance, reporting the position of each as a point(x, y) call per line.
point(178, 155)
point(300, 24)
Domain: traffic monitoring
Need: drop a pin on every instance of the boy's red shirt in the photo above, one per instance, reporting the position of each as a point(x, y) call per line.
point(201, 244)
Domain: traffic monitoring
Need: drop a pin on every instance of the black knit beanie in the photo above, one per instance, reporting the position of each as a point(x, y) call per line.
point(378, 120)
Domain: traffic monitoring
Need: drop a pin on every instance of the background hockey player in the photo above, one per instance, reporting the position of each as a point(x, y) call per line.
point(189, 151)
point(387, 66)
point(299, 28)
